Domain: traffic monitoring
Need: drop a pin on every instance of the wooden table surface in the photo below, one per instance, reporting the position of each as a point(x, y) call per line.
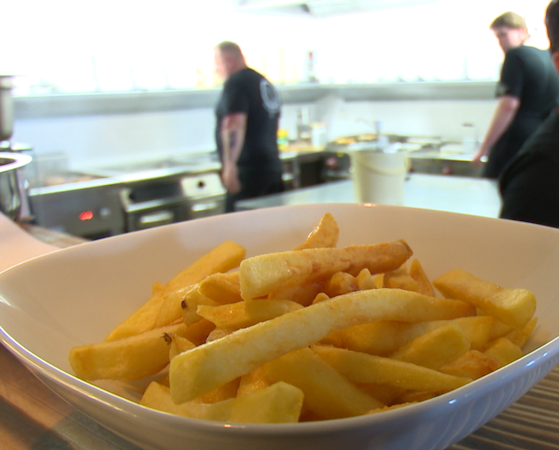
point(33, 417)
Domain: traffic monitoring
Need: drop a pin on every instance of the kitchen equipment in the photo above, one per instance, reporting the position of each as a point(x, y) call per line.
point(379, 173)
point(12, 192)
point(6, 107)
point(172, 199)
point(41, 321)
point(97, 202)
point(88, 209)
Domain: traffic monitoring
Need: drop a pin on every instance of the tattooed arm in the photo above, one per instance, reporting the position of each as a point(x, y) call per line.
point(233, 128)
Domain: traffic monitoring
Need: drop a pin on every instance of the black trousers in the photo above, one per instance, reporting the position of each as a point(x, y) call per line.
point(255, 183)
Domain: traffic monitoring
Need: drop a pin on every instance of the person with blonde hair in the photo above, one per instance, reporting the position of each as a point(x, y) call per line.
point(247, 117)
point(529, 184)
point(527, 92)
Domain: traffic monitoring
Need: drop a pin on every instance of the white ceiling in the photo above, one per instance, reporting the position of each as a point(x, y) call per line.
point(319, 8)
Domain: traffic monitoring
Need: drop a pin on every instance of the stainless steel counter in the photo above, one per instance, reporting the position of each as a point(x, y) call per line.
point(441, 192)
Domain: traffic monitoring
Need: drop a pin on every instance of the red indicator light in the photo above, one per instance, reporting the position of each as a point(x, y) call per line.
point(86, 215)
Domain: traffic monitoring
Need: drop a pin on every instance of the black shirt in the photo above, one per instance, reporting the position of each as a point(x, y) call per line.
point(249, 92)
point(529, 75)
point(530, 183)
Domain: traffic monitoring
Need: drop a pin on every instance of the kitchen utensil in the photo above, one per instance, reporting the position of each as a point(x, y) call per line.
point(12, 193)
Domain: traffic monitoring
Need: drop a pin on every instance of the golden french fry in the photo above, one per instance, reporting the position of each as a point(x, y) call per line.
point(223, 288)
point(340, 283)
point(435, 348)
point(217, 333)
point(385, 393)
point(225, 392)
point(499, 329)
point(224, 257)
point(279, 403)
point(390, 408)
point(157, 396)
point(400, 279)
point(362, 368)
point(191, 299)
point(263, 274)
point(416, 397)
point(253, 381)
point(124, 359)
point(365, 280)
point(157, 287)
point(383, 338)
point(514, 307)
point(326, 393)
point(198, 332)
point(177, 344)
point(519, 337)
point(417, 273)
point(303, 294)
point(324, 235)
point(204, 368)
point(247, 313)
point(472, 364)
point(503, 351)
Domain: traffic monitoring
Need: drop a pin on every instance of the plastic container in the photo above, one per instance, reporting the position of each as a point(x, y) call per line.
point(379, 175)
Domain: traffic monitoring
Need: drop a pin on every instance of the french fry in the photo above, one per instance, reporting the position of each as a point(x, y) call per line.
point(263, 274)
point(514, 307)
point(519, 337)
point(221, 259)
point(191, 299)
point(436, 348)
point(225, 392)
point(362, 368)
point(503, 351)
point(326, 392)
point(177, 344)
point(279, 403)
point(383, 338)
point(324, 235)
point(416, 397)
point(417, 273)
point(400, 279)
point(472, 364)
point(303, 294)
point(198, 332)
point(386, 393)
point(365, 280)
point(207, 367)
point(253, 381)
point(340, 283)
point(247, 313)
point(124, 359)
point(223, 288)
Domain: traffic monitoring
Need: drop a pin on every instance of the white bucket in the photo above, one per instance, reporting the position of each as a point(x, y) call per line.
point(379, 176)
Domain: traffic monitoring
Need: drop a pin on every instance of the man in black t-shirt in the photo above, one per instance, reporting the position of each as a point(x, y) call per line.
point(247, 116)
point(529, 184)
point(528, 90)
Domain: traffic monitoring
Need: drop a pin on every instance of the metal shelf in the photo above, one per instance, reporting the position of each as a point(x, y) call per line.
point(52, 105)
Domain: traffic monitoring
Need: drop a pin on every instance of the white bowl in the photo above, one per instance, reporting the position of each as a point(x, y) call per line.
point(77, 295)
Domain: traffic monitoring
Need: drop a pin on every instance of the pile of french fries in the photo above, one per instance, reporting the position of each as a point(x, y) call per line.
point(313, 333)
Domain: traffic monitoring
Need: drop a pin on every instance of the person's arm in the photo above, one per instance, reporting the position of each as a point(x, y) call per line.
point(502, 118)
point(233, 129)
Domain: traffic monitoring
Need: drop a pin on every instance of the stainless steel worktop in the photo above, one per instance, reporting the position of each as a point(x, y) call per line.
point(477, 196)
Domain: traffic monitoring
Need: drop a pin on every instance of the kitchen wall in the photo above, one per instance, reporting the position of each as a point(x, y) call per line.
point(119, 45)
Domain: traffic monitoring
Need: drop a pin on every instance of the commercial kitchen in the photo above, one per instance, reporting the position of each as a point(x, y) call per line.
point(121, 154)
